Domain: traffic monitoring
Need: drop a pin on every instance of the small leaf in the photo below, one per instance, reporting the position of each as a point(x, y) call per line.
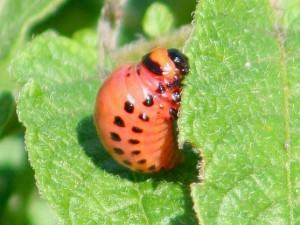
point(241, 108)
point(81, 182)
point(158, 20)
point(10, 158)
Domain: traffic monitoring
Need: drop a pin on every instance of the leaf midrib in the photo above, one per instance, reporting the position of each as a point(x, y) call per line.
point(280, 36)
point(140, 200)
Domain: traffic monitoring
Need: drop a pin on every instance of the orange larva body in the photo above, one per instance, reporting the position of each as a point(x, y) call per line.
point(135, 108)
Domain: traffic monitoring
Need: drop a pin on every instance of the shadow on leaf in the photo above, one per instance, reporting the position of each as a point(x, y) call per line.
point(184, 175)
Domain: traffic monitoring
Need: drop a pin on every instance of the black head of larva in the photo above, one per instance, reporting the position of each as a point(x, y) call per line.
point(180, 60)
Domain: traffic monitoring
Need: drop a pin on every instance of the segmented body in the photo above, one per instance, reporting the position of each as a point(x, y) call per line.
point(135, 109)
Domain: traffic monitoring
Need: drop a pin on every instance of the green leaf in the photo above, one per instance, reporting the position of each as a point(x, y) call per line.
point(241, 108)
point(16, 19)
point(17, 16)
point(10, 148)
point(86, 37)
point(158, 20)
point(81, 182)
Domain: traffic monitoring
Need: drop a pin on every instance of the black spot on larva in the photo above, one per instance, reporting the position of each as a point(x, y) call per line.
point(144, 117)
point(151, 65)
point(169, 85)
point(160, 89)
point(115, 136)
point(177, 82)
point(138, 71)
point(151, 167)
point(129, 107)
point(128, 74)
point(148, 101)
point(142, 161)
point(137, 130)
point(173, 112)
point(176, 96)
point(135, 152)
point(127, 162)
point(118, 151)
point(133, 141)
point(119, 121)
